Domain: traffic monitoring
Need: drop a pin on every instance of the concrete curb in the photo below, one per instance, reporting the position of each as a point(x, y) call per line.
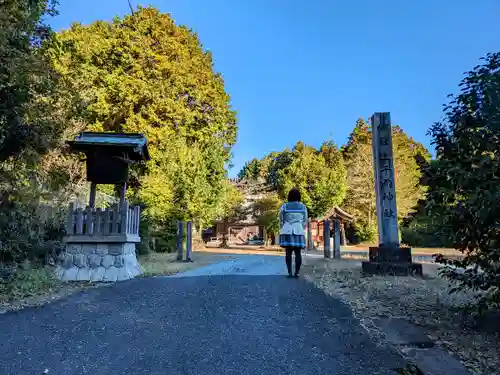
point(419, 349)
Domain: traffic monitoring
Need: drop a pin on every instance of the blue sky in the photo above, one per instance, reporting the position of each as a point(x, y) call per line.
point(308, 69)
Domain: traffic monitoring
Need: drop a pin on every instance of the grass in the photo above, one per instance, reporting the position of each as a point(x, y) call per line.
point(28, 282)
point(33, 286)
point(425, 302)
point(162, 264)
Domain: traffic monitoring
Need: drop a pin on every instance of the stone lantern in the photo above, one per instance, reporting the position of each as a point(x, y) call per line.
point(100, 242)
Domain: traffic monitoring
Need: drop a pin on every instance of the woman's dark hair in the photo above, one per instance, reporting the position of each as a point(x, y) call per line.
point(294, 195)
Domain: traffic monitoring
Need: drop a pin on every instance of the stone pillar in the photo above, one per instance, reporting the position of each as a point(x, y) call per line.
point(336, 239)
point(385, 186)
point(388, 257)
point(180, 239)
point(326, 239)
point(189, 240)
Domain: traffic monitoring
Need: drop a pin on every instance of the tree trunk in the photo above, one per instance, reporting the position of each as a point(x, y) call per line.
point(225, 244)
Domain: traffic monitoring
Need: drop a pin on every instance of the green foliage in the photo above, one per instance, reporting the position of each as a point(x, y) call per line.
point(144, 74)
point(366, 233)
point(24, 76)
point(231, 209)
point(28, 131)
point(27, 281)
point(318, 174)
point(464, 194)
point(360, 197)
point(252, 170)
point(266, 211)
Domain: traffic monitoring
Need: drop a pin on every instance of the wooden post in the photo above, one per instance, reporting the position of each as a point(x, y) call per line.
point(336, 238)
point(180, 239)
point(93, 188)
point(343, 240)
point(189, 240)
point(107, 222)
point(70, 225)
point(123, 192)
point(309, 236)
point(79, 221)
point(124, 217)
point(115, 220)
point(137, 224)
point(89, 230)
point(326, 239)
point(98, 221)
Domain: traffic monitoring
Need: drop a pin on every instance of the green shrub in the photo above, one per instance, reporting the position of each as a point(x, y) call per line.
point(365, 233)
point(26, 281)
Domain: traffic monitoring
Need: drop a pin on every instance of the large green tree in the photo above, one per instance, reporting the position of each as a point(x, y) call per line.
point(28, 129)
point(143, 73)
point(463, 199)
point(319, 174)
point(266, 212)
point(24, 76)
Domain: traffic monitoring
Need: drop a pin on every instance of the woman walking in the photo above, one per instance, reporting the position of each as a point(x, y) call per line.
point(293, 220)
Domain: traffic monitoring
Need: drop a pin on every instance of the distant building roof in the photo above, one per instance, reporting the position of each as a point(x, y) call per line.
point(336, 211)
point(135, 144)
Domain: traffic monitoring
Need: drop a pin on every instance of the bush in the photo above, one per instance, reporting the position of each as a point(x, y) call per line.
point(365, 233)
point(145, 231)
point(420, 232)
point(26, 236)
point(26, 281)
point(463, 182)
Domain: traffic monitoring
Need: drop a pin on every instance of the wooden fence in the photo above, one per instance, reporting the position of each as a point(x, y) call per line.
point(102, 222)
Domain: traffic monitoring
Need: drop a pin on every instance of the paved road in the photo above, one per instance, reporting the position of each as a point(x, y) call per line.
point(237, 317)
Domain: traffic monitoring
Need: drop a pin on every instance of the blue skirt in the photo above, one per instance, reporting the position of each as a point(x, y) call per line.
point(293, 240)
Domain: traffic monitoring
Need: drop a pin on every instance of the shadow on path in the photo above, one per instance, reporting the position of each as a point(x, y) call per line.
point(217, 324)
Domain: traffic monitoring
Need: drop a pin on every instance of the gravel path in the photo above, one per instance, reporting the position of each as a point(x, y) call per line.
point(235, 317)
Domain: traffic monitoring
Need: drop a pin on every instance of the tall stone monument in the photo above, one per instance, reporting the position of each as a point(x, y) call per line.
point(389, 257)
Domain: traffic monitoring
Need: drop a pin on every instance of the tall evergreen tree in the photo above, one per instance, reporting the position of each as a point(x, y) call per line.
point(318, 174)
point(143, 73)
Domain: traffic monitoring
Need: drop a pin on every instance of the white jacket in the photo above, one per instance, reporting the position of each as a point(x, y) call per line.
point(293, 218)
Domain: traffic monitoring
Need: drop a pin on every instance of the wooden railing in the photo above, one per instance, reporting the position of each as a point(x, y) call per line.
point(122, 220)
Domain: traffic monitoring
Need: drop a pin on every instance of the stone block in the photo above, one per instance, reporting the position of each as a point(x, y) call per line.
point(399, 331)
point(83, 274)
point(80, 260)
point(116, 249)
point(95, 260)
point(67, 261)
point(390, 254)
point(436, 361)
point(392, 268)
point(97, 274)
point(129, 248)
point(70, 274)
point(89, 248)
point(107, 261)
point(119, 261)
point(102, 249)
point(73, 248)
point(122, 274)
point(111, 274)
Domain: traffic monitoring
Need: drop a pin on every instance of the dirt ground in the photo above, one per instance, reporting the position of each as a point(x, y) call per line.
point(425, 302)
